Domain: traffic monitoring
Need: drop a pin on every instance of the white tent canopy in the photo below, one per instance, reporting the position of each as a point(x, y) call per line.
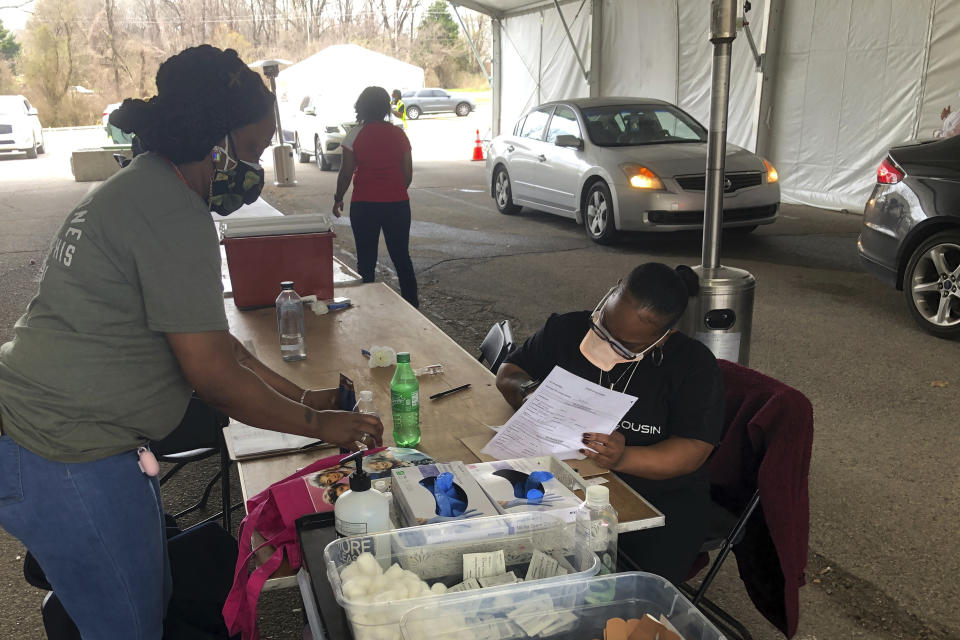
point(341, 72)
point(840, 82)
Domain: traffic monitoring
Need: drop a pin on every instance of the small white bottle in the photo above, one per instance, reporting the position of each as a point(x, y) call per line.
point(365, 404)
point(597, 526)
point(362, 509)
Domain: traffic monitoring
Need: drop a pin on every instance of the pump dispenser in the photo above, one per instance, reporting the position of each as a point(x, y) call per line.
point(362, 509)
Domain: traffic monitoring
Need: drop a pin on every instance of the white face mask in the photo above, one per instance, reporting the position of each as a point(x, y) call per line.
point(604, 351)
point(602, 355)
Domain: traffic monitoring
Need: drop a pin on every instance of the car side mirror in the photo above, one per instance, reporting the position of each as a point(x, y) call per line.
point(32, 111)
point(572, 142)
point(310, 111)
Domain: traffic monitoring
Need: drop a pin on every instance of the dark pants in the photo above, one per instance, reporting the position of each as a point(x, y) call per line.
point(366, 220)
point(669, 551)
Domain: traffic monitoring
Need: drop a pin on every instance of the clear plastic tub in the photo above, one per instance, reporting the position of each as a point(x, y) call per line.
point(435, 553)
point(574, 609)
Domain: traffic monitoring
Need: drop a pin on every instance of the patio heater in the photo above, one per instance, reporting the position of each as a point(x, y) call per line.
point(284, 169)
point(721, 315)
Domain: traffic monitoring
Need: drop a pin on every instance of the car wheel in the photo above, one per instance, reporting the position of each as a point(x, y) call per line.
point(931, 284)
point(322, 161)
point(741, 231)
point(302, 156)
point(463, 109)
point(32, 151)
point(598, 214)
point(413, 112)
point(503, 194)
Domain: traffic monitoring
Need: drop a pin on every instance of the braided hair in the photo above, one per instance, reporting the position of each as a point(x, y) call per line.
point(372, 105)
point(203, 93)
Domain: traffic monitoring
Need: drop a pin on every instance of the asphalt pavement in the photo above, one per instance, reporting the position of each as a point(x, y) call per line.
point(884, 487)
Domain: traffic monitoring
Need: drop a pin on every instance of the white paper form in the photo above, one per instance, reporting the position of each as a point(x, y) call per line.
point(554, 418)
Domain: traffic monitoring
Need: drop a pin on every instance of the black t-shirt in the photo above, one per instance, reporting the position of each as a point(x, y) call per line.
point(683, 396)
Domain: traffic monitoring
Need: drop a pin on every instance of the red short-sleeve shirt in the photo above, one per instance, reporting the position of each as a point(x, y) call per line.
point(378, 148)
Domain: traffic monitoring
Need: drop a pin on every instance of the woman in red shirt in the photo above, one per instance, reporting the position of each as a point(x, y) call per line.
point(376, 156)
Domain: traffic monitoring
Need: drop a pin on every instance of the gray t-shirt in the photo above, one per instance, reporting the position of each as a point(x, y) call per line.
point(89, 372)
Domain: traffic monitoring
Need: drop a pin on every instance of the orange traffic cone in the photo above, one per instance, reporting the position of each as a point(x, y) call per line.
point(478, 149)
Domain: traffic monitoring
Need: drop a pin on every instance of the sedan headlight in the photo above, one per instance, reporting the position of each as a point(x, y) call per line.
point(641, 177)
point(772, 175)
point(332, 128)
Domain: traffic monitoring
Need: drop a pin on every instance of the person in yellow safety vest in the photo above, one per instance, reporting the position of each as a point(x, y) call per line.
point(399, 109)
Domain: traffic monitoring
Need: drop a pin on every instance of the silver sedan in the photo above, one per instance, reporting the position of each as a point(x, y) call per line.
point(623, 164)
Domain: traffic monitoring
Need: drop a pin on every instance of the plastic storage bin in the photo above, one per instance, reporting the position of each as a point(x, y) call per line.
point(261, 253)
point(574, 609)
point(434, 552)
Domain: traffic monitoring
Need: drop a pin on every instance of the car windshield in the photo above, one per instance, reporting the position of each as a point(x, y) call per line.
point(11, 105)
point(631, 125)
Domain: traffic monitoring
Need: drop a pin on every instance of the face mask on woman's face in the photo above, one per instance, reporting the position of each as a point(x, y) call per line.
point(238, 183)
point(603, 350)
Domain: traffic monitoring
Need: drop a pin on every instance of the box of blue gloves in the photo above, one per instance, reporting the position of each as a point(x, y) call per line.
point(541, 483)
point(441, 492)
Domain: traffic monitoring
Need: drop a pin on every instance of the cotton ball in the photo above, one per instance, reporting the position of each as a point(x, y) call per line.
point(368, 564)
point(438, 587)
point(349, 572)
point(352, 573)
point(361, 582)
point(378, 584)
point(355, 589)
point(386, 632)
point(410, 575)
point(387, 596)
point(402, 589)
point(362, 599)
point(395, 572)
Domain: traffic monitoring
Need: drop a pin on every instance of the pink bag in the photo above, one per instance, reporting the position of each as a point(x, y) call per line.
point(273, 513)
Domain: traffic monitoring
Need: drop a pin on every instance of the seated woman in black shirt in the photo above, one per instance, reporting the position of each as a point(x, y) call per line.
point(628, 344)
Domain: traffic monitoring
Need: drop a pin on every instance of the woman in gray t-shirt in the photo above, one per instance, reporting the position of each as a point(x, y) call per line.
point(127, 323)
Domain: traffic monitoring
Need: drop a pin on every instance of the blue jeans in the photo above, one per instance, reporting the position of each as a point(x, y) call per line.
point(97, 530)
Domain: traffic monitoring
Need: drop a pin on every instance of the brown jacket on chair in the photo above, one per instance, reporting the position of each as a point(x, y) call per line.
point(767, 442)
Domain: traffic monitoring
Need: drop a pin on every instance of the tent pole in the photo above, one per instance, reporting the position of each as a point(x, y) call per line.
point(573, 45)
point(596, 49)
point(476, 54)
point(768, 67)
point(496, 74)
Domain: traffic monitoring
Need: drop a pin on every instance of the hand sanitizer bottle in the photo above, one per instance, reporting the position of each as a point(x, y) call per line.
point(362, 509)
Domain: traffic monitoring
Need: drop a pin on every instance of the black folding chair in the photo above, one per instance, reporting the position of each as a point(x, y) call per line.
point(724, 530)
point(199, 436)
point(496, 345)
point(734, 473)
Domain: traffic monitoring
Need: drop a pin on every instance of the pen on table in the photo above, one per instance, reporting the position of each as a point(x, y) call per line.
point(444, 394)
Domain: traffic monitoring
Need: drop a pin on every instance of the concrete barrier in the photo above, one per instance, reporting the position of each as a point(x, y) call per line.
point(98, 164)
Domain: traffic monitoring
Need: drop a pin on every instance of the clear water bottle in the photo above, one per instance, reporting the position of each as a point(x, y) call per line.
point(290, 324)
point(405, 402)
point(597, 527)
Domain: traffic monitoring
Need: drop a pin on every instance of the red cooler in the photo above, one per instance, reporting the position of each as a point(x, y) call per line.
point(263, 252)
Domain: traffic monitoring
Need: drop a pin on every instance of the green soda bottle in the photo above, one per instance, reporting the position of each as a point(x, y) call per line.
point(405, 401)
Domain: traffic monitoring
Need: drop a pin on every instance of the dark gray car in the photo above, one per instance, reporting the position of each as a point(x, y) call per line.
point(911, 231)
point(436, 101)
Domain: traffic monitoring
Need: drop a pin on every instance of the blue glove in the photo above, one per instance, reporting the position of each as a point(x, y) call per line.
point(449, 505)
point(533, 489)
